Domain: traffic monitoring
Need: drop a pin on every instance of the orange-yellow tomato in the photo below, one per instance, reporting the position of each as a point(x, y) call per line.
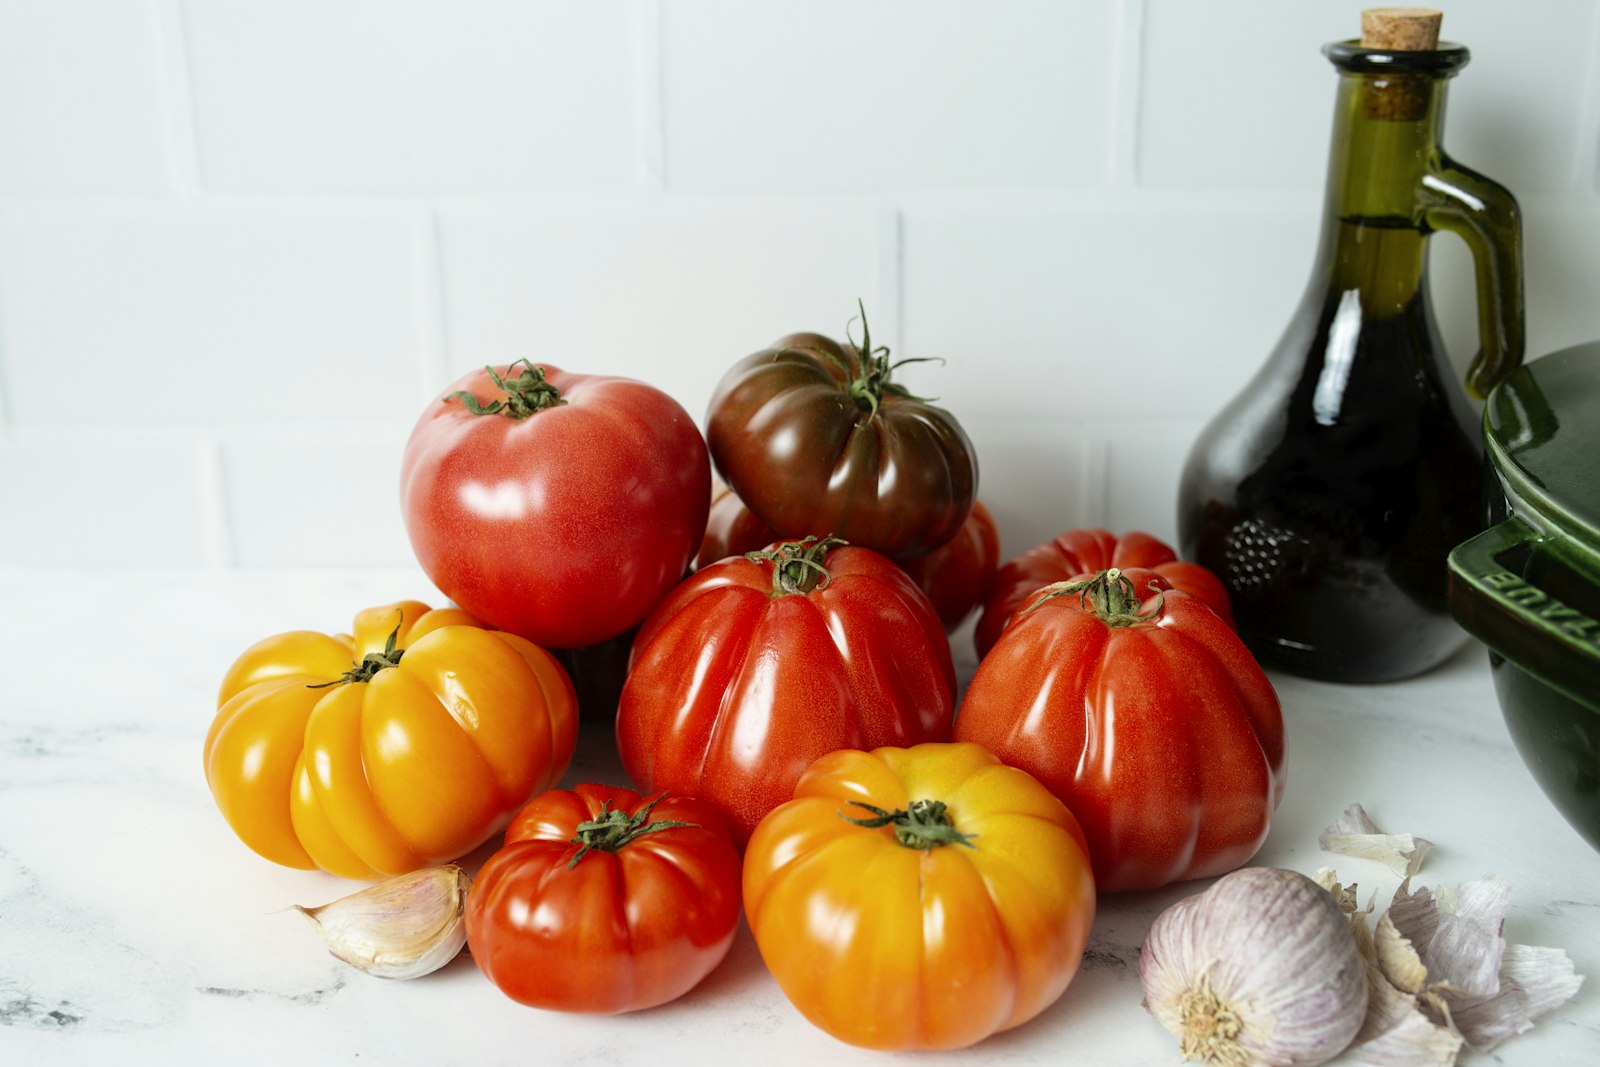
point(402, 745)
point(961, 913)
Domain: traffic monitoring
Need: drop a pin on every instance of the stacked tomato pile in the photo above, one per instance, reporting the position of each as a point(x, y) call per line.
point(915, 876)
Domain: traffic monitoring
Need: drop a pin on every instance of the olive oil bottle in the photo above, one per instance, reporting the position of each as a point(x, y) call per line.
point(1328, 494)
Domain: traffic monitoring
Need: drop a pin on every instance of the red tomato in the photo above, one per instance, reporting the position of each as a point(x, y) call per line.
point(556, 506)
point(602, 901)
point(956, 576)
point(731, 530)
point(1147, 717)
point(1082, 552)
point(751, 669)
point(959, 574)
point(816, 438)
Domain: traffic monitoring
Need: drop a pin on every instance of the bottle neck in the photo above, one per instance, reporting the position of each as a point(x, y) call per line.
point(1385, 143)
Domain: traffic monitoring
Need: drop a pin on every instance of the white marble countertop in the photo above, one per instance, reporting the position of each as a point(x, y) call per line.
point(134, 927)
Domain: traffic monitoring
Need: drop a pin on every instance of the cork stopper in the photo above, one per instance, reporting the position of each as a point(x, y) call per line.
point(1401, 29)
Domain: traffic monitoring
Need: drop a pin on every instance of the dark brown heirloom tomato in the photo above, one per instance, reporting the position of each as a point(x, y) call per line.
point(813, 436)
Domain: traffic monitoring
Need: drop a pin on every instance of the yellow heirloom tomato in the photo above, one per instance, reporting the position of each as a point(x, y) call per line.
point(921, 897)
point(402, 745)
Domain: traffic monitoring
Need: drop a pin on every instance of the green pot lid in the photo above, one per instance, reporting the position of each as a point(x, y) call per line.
point(1542, 432)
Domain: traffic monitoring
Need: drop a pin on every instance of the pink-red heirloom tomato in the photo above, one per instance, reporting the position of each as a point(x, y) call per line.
point(557, 506)
point(603, 901)
point(815, 438)
point(919, 898)
point(958, 575)
point(402, 746)
point(1144, 712)
point(1077, 552)
point(753, 668)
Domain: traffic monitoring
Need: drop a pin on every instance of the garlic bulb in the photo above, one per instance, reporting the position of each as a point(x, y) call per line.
point(1260, 969)
point(404, 927)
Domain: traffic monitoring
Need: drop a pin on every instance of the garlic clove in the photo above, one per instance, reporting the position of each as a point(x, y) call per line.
point(405, 927)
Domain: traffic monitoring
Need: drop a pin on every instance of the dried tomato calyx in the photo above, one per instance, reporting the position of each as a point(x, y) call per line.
point(921, 825)
point(1110, 595)
point(612, 829)
point(797, 565)
point(372, 662)
point(526, 394)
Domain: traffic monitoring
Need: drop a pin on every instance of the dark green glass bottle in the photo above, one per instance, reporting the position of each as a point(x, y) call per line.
point(1329, 493)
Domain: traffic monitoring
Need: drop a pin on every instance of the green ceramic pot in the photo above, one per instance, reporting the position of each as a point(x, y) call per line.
point(1529, 586)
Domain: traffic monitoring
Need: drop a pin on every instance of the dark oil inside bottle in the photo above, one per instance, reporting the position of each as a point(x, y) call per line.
point(1328, 495)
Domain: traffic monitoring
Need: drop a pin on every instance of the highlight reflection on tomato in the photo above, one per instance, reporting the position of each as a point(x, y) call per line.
point(605, 901)
point(919, 898)
point(751, 669)
point(400, 746)
point(554, 505)
point(1143, 711)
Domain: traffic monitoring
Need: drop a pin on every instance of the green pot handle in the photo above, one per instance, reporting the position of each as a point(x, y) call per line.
point(1493, 602)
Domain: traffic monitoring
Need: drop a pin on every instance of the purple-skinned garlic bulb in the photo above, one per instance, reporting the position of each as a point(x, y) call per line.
point(1260, 970)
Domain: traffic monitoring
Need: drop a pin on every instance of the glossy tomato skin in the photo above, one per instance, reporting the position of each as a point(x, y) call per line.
point(565, 526)
point(734, 689)
point(1078, 552)
point(616, 931)
point(415, 767)
point(892, 947)
point(957, 576)
point(1164, 737)
point(807, 457)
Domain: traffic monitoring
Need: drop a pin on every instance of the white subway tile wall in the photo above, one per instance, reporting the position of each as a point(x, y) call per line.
point(242, 244)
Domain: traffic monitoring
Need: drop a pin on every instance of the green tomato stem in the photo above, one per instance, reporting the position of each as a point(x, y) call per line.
point(1110, 595)
point(797, 566)
point(924, 824)
point(372, 662)
point(613, 829)
point(526, 394)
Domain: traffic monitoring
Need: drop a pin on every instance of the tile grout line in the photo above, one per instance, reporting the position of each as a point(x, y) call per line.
point(1582, 177)
point(183, 123)
point(890, 282)
point(649, 107)
point(433, 312)
point(216, 526)
point(1122, 167)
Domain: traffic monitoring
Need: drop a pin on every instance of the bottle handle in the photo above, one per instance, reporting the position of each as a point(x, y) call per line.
point(1485, 215)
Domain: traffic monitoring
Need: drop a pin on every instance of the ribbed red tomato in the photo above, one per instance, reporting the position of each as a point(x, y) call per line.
point(1139, 708)
point(556, 506)
point(1082, 552)
point(753, 668)
point(604, 901)
point(957, 576)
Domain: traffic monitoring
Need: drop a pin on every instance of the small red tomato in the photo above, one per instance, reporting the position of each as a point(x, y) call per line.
point(754, 667)
point(1139, 708)
point(1082, 552)
point(603, 901)
point(731, 530)
point(553, 505)
point(958, 575)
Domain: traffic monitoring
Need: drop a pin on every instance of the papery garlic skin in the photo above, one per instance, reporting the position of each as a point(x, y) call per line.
point(1260, 969)
point(403, 927)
